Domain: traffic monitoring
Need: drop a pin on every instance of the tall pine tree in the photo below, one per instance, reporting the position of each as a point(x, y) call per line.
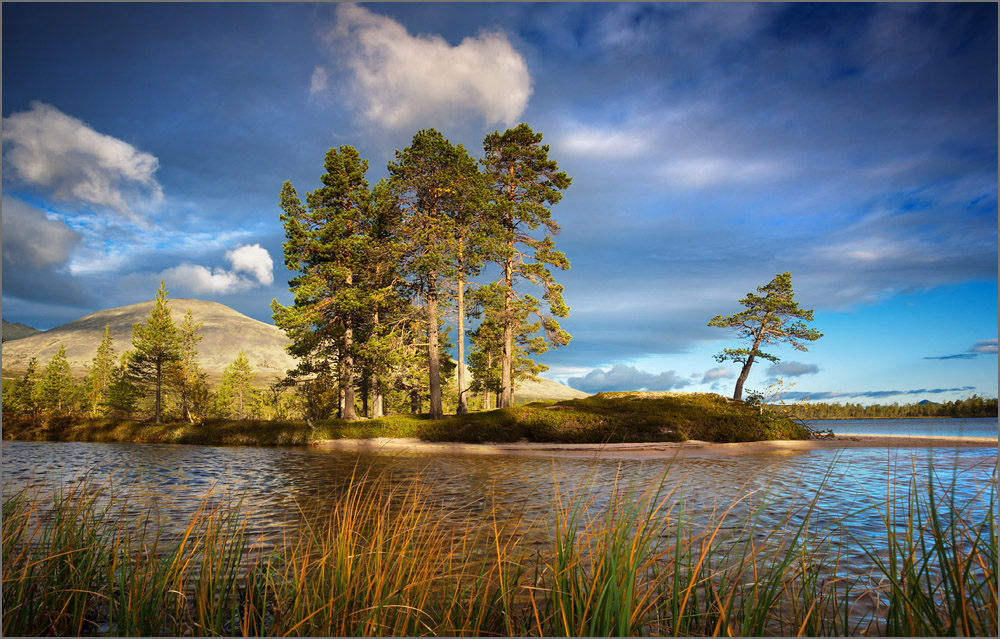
point(524, 183)
point(325, 245)
point(430, 181)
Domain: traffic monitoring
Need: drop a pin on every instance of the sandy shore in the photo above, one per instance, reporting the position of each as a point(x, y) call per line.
point(691, 447)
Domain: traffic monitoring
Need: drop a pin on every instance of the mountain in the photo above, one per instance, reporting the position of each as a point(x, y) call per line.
point(540, 388)
point(536, 389)
point(17, 330)
point(224, 332)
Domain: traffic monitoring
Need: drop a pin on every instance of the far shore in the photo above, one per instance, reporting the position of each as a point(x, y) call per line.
point(658, 449)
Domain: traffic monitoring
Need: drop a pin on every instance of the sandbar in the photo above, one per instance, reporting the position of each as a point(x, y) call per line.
point(658, 449)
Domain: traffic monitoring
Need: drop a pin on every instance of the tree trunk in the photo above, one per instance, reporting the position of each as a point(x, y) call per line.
point(378, 407)
point(159, 386)
point(506, 397)
point(365, 390)
point(738, 393)
point(433, 354)
point(463, 406)
point(347, 369)
point(415, 401)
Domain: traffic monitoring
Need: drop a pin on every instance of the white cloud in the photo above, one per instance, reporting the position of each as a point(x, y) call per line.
point(713, 171)
point(791, 369)
point(622, 377)
point(605, 142)
point(984, 346)
point(717, 373)
point(407, 80)
point(317, 83)
point(30, 236)
point(58, 153)
point(254, 260)
point(200, 279)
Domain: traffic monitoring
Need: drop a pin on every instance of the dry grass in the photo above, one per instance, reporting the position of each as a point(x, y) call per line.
point(378, 561)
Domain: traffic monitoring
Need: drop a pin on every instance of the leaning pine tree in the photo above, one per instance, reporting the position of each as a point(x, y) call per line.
point(767, 320)
point(156, 347)
point(524, 183)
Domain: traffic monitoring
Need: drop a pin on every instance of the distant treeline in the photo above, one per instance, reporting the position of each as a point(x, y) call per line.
point(974, 406)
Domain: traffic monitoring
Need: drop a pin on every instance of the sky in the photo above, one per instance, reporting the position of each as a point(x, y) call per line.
point(711, 147)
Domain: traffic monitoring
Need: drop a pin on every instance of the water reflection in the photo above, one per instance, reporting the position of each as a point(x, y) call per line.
point(273, 480)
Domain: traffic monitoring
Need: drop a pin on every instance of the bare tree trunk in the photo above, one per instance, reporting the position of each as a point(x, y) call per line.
point(433, 354)
point(159, 387)
point(378, 406)
point(506, 397)
point(463, 406)
point(365, 391)
point(738, 393)
point(347, 367)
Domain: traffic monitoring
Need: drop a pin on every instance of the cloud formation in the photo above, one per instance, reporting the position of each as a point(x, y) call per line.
point(720, 372)
point(59, 154)
point(29, 236)
point(199, 279)
point(827, 395)
point(253, 259)
point(622, 377)
point(985, 346)
point(981, 347)
point(406, 81)
point(791, 369)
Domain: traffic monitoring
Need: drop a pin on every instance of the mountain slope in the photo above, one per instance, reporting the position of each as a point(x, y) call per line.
point(17, 330)
point(224, 332)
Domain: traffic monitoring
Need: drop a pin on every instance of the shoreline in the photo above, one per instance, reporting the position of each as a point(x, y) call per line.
point(657, 449)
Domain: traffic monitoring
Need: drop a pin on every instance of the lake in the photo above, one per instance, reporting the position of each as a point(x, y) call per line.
point(175, 478)
point(980, 427)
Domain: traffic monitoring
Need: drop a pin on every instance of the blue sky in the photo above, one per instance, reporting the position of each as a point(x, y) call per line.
point(711, 146)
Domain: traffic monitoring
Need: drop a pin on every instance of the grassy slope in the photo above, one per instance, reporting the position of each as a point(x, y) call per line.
point(601, 418)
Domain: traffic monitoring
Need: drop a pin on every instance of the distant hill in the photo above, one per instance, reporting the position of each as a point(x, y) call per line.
point(17, 330)
point(225, 332)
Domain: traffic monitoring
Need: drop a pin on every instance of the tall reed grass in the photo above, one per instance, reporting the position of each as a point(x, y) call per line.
point(388, 561)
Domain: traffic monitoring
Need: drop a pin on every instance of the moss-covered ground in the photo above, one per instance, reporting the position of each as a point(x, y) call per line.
point(601, 418)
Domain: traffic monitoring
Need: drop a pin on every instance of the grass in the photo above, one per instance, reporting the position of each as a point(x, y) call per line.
point(381, 561)
point(601, 418)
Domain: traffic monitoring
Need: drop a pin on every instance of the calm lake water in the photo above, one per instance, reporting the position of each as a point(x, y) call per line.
point(948, 427)
point(175, 478)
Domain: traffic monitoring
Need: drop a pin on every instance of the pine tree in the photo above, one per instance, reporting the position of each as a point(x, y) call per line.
point(99, 378)
point(122, 393)
point(236, 383)
point(184, 374)
point(766, 321)
point(487, 342)
point(524, 182)
point(22, 396)
point(55, 388)
point(325, 244)
point(157, 347)
point(431, 181)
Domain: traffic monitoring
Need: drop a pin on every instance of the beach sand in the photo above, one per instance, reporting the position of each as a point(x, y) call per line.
point(659, 449)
